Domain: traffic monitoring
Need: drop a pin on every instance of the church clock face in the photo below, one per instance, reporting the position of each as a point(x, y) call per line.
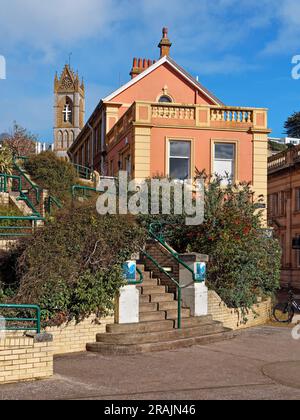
point(67, 83)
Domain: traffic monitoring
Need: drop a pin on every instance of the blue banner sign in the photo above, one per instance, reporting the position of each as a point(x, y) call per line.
point(129, 271)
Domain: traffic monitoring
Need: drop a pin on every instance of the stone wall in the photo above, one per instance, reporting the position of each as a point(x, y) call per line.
point(233, 318)
point(24, 359)
point(4, 199)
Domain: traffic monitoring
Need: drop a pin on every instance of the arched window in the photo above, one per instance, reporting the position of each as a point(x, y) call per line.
point(71, 138)
point(60, 140)
point(66, 140)
point(68, 111)
point(165, 99)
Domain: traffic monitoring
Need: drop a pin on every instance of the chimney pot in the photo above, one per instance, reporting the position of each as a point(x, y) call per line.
point(140, 63)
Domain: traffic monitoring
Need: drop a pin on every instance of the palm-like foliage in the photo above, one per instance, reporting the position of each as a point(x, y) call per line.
point(6, 161)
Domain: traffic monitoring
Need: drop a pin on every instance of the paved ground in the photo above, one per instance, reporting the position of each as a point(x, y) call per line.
point(262, 363)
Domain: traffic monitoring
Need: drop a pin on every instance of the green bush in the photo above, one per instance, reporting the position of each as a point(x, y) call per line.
point(72, 267)
point(52, 173)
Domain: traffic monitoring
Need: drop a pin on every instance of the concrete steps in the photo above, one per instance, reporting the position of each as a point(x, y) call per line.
point(21, 205)
point(157, 329)
point(157, 336)
point(109, 349)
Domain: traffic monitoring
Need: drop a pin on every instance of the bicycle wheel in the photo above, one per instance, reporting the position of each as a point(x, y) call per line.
point(284, 312)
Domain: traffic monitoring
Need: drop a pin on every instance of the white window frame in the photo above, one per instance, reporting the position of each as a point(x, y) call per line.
point(235, 143)
point(169, 157)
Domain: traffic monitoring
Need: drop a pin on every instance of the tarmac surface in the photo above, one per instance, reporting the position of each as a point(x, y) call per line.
point(261, 363)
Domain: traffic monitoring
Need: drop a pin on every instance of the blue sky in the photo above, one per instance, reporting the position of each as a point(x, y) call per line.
point(240, 49)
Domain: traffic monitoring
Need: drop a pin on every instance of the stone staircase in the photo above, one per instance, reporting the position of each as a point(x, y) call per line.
point(157, 330)
point(21, 205)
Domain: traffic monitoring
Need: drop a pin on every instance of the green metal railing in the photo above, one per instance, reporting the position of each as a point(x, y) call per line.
point(21, 320)
point(4, 182)
point(83, 188)
point(178, 286)
point(83, 172)
point(19, 231)
point(139, 281)
point(51, 202)
point(160, 238)
point(24, 175)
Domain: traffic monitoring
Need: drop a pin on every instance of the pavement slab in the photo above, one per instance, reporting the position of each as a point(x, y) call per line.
point(261, 363)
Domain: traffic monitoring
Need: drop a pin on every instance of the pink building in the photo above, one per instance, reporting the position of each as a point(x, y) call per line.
point(164, 122)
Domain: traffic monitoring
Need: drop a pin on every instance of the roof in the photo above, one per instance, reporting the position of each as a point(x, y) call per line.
point(177, 68)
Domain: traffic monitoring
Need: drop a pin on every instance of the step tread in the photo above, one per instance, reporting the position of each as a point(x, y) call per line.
point(173, 313)
point(161, 336)
point(151, 290)
point(140, 327)
point(153, 316)
point(160, 346)
point(161, 297)
point(148, 307)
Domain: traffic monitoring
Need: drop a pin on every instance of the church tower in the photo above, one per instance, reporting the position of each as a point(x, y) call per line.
point(69, 110)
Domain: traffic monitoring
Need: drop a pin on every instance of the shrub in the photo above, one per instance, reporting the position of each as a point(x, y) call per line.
point(72, 267)
point(52, 173)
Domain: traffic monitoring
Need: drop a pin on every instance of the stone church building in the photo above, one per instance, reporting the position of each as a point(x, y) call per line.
point(69, 110)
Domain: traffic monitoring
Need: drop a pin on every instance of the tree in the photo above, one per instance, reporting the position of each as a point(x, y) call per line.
point(20, 142)
point(53, 174)
point(292, 125)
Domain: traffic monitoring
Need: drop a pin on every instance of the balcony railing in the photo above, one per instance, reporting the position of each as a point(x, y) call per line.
point(232, 115)
point(201, 116)
point(284, 159)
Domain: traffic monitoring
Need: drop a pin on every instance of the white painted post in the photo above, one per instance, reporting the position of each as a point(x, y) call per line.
point(194, 296)
point(127, 305)
point(128, 301)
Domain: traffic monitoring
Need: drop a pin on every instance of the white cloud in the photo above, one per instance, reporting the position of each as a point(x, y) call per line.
point(46, 25)
point(287, 22)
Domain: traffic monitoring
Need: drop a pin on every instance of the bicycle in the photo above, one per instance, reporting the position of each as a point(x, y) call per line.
point(284, 312)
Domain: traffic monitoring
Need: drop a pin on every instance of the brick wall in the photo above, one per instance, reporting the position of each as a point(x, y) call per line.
point(22, 359)
point(73, 338)
point(232, 318)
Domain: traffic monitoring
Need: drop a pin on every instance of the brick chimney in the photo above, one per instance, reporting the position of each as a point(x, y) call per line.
point(140, 65)
point(165, 44)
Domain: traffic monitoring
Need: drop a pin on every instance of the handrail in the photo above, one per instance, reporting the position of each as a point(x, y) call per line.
point(137, 282)
point(36, 320)
point(24, 197)
point(178, 286)
point(4, 178)
point(82, 187)
point(25, 176)
point(36, 188)
point(174, 254)
point(53, 200)
point(83, 171)
point(33, 219)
